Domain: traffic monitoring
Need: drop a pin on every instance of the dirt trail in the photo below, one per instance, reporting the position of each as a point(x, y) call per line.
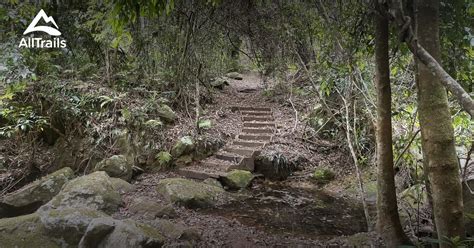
point(275, 214)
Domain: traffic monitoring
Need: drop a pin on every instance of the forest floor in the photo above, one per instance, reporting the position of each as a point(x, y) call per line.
point(292, 213)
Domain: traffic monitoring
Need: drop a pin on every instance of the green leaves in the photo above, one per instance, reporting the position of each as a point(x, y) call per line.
point(204, 124)
point(163, 158)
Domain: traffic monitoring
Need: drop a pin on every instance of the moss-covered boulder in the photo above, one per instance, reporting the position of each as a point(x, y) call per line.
point(237, 179)
point(322, 175)
point(68, 224)
point(32, 196)
point(94, 191)
point(108, 232)
point(118, 166)
point(184, 146)
point(191, 194)
point(26, 231)
point(166, 113)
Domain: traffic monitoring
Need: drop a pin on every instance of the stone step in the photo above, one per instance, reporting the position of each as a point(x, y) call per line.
point(246, 143)
point(255, 109)
point(257, 130)
point(234, 158)
point(259, 124)
point(256, 113)
point(257, 118)
point(198, 172)
point(241, 151)
point(254, 137)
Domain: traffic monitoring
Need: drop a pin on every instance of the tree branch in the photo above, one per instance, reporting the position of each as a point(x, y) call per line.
point(408, 36)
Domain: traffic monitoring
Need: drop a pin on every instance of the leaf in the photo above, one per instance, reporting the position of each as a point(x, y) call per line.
point(204, 124)
point(163, 157)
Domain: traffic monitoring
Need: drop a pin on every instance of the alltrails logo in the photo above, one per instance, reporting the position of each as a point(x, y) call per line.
point(31, 42)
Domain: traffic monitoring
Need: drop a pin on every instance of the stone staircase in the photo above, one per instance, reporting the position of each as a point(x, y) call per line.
point(258, 129)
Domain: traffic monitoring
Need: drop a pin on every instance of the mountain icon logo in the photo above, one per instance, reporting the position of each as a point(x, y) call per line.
point(49, 30)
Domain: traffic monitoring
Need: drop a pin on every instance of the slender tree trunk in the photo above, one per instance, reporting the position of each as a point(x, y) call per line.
point(388, 221)
point(437, 131)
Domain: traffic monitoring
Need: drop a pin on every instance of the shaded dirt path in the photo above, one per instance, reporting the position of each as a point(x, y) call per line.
point(292, 213)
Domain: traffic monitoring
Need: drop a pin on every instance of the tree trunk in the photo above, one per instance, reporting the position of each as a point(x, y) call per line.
point(437, 131)
point(388, 222)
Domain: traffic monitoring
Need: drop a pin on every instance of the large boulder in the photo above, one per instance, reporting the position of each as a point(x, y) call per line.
point(184, 146)
point(25, 231)
point(118, 166)
point(273, 165)
point(166, 113)
point(237, 179)
point(190, 193)
point(94, 191)
point(108, 232)
point(29, 198)
point(68, 224)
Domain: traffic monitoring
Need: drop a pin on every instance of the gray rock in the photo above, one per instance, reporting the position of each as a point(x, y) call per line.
point(26, 231)
point(166, 113)
point(94, 191)
point(118, 166)
point(68, 224)
point(121, 186)
point(190, 193)
point(32, 196)
point(273, 165)
point(237, 179)
point(184, 146)
point(108, 232)
point(149, 208)
point(206, 146)
point(213, 182)
point(176, 231)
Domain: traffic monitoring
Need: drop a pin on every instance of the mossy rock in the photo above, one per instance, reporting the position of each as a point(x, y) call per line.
point(184, 146)
point(189, 193)
point(118, 166)
point(166, 113)
point(26, 231)
point(108, 232)
point(184, 160)
point(237, 179)
point(149, 208)
point(94, 191)
point(32, 196)
point(322, 175)
point(68, 224)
